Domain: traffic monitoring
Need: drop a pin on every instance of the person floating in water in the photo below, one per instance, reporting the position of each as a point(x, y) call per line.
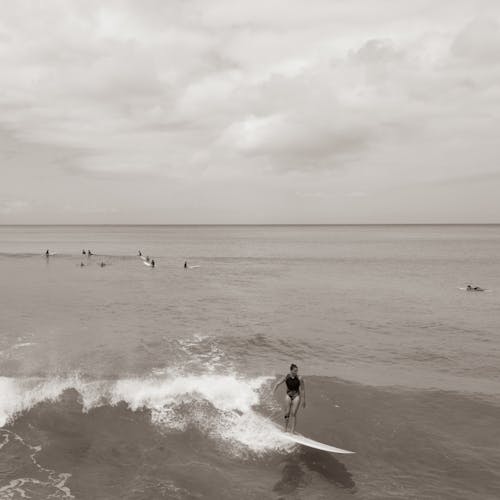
point(47, 253)
point(294, 386)
point(471, 288)
point(152, 263)
point(185, 264)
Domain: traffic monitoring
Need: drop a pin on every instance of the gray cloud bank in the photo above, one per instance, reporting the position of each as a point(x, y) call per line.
point(224, 99)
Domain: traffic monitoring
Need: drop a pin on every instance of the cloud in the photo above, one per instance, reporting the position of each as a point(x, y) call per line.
point(116, 80)
point(377, 51)
point(298, 140)
point(8, 207)
point(479, 42)
point(183, 90)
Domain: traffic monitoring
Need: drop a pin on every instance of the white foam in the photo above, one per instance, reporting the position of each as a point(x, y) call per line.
point(250, 431)
point(221, 406)
point(178, 402)
point(55, 480)
point(202, 351)
point(19, 395)
point(24, 344)
point(224, 392)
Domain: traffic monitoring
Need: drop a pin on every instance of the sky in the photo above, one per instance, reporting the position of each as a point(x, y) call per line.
point(269, 111)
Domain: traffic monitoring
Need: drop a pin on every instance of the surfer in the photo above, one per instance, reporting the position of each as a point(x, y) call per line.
point(47, 253)
point(139, 253)
point(152, 263)
point(294, 386)
point(185, 264)
point(84, 252)
point(471, 288)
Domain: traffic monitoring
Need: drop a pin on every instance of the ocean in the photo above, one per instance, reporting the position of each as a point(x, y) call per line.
point(123, 381)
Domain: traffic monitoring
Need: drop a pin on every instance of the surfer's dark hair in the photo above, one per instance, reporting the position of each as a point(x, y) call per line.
point(292, 366)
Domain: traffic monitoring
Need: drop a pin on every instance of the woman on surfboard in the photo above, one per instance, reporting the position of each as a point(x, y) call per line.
point(295, 389)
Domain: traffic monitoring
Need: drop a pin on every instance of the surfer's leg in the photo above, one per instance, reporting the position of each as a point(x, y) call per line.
point(293, 412)
point(288, 406)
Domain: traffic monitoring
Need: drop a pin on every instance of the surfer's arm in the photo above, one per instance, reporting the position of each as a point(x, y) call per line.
point(278, 384)
point(303, 392)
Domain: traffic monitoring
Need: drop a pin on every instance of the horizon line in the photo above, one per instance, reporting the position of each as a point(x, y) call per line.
point(270, 224)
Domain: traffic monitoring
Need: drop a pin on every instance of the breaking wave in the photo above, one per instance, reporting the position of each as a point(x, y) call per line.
point(228, 408)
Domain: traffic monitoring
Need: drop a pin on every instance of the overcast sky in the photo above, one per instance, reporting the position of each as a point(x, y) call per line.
point(228, 111)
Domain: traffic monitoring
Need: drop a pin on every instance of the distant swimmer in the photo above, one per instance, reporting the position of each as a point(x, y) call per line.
point(82, 264)
point(89, 253)
point(139, 253)
point(47, 253)
point(84, 252)
point(185, 264)
point(102, 264)
point(295, 389)
point(471, 288)
point(152, 263)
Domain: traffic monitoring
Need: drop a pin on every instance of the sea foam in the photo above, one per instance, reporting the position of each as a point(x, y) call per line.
point(223, 407)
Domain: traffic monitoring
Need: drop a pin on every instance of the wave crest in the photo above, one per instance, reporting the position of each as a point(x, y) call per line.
point(222, 407)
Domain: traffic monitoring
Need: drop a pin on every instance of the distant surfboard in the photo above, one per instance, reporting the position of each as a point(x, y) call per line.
point(147, 263)
point(194, 267)
point(468, 290)
point(299, 439)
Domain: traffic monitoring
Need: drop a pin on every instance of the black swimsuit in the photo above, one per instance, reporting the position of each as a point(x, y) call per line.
point(293, 386)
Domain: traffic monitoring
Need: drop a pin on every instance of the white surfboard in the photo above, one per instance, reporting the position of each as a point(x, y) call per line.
point(299, 439)
point(194, 267)
point(147, 263)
